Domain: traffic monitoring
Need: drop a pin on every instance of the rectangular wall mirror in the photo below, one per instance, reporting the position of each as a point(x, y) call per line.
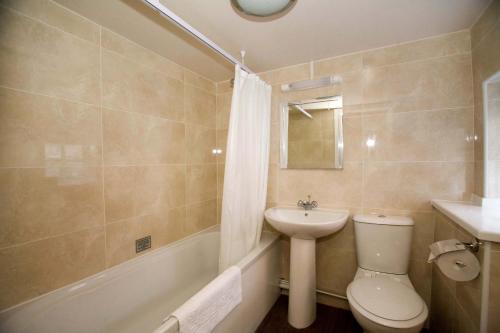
point(311, 134)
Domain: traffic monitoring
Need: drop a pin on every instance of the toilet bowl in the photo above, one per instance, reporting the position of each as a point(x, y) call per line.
point(381, 296)
point(386, 303)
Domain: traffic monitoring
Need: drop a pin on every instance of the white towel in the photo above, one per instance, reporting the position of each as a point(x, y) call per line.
point(444, 246)
point(202, 312)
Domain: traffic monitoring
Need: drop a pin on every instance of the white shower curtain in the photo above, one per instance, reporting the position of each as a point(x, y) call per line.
point(247, 163)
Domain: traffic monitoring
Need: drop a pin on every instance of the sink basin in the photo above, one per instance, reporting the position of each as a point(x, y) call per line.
point(311, 224)
point(304, 227)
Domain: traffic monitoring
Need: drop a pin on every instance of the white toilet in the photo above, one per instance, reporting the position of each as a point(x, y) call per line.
point(381, 296)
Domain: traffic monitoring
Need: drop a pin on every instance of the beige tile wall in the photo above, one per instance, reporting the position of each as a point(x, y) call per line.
point(101, 142)
point(485, 37)
point(416, 100)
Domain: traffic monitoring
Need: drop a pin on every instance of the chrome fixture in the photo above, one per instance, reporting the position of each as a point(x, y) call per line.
point(473, 246)
point(301, 109)
point(262, 8)
point(307, 205)
point(312, 84)
point(172, 17)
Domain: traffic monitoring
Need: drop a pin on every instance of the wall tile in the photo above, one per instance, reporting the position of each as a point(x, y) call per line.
point(136, 53)
point(446, 45)
point(201, 182)
point(132, 138)
point(142, 190)
point(223, 110)
point(164, 227)
point(200, 216)
point(199, 106)
point(336, 188)
point(420, 274)
point(38, 131)
point(287, 74)
point(39, 267)
point(36, 203)
point(129, 86)
point(336, 65)
point(443, 312)
point(400, 185)
point(494, 296)
point(199, 81)
point(200, 141)
point(420, 136)
point(424, 85)
point(221, 143)
point(337, 269)
point(53, 14)
point(485, 23)
point(223, 87)
point(42, 59)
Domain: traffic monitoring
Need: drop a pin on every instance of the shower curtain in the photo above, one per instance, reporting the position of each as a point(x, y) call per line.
point(247, 163)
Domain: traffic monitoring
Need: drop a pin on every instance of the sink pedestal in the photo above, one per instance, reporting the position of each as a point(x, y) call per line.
point(302, 293)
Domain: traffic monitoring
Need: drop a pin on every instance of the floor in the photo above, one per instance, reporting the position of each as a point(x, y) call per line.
point(328, 319)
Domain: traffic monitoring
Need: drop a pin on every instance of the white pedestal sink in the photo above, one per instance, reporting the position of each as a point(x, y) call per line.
point(304, 227)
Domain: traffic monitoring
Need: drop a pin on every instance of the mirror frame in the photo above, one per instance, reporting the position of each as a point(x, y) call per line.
point(486, 110)
point(338, 127)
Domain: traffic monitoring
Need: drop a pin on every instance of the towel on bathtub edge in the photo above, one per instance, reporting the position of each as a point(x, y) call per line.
point(207, 308)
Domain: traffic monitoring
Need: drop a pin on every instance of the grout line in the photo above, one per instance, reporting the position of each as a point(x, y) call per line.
point(96, 44)
point(74, 101)
point(102, 150)
point(159, 55)
point(169, 209)
point(363, 67)
point(53, 236)
point(95, 166)
point(485, 34)
point(184, 122)
point(99, 43)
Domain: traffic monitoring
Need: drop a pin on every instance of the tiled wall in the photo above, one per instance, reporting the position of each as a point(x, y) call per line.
point(101, 142)
point(456, 306)
point(416, 101)
point(485, 35)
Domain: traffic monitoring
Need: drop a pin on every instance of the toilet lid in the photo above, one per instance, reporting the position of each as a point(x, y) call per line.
point(386, 298)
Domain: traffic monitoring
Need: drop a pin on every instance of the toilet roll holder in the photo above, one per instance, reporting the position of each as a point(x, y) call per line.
point(473, 246)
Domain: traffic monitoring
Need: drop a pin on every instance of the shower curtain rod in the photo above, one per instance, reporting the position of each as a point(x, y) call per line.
point(171, 16)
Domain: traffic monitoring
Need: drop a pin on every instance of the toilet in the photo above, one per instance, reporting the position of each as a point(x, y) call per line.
point(381, 296)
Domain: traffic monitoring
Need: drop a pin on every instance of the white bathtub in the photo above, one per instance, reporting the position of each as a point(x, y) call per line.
point(137, 295)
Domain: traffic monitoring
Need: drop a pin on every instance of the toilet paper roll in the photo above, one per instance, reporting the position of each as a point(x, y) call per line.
point(459, 265)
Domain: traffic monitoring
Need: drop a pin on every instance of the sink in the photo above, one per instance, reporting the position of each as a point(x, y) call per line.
point(304, 227)
point(311, 224)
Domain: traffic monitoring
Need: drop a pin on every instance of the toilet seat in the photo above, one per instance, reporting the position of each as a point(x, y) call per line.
point(387, 302)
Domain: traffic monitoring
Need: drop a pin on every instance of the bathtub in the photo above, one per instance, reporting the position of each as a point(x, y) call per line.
point(137, 295)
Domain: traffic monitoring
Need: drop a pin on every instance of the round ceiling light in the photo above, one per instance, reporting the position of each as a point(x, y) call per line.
point(262, 8)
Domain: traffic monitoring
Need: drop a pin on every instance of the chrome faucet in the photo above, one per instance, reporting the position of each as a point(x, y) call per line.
point(307, 205)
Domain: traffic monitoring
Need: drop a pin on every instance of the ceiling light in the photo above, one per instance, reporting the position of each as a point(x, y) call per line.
point(262, 8)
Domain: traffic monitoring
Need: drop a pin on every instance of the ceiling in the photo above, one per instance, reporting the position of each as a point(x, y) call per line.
point(311, 30)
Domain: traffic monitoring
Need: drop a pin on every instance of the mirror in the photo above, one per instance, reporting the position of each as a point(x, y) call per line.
point(311, 134)
point(491, 92)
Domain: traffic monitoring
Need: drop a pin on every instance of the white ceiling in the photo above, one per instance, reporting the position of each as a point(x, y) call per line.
point(313, 29)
